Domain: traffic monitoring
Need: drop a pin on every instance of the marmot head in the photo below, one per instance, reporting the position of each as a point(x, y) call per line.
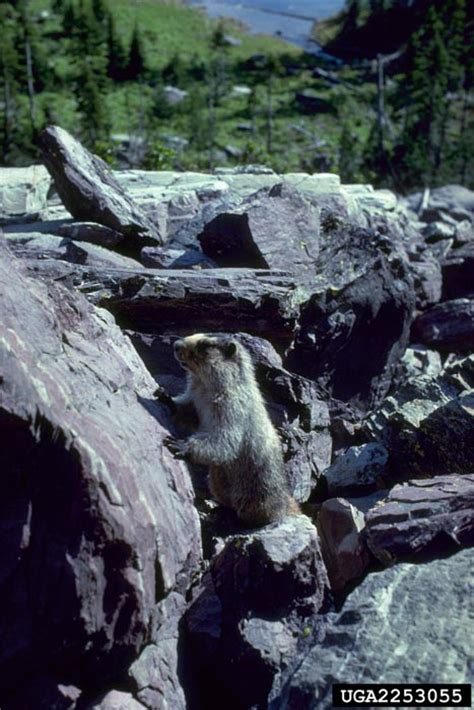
point(201, 353)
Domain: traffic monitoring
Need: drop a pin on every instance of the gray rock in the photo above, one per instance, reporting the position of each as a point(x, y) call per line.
point(258, 604)
point(436, 231)
point(91, 193)
point(116, 700)
point(447, 326)
point(428, 279)
point(23, 192)
point(90, 232)
point(90, 540)
point(422, 519)
point(458, 268)
point(163, 258)
point(389, 622)
point(276, 228)
point(155, 672)
point(264, 303)
point(344, 552)
point(360, 467)
point(174, 96)
point(464, 233)
point(420, 360)
point(420, 422)
point(43, 692)
point(33, 246)
point(363, 286)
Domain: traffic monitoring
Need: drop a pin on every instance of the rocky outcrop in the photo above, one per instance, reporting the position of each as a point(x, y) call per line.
point(344, 551)
point(23, 192)
point(255, 609)
point(449, 326)
point(91, 193)
point(96, 527)
point(391, 618)
point(423, 519)
point(363, 287)
point(359, 468)
point(419, 423)
point(275, 228)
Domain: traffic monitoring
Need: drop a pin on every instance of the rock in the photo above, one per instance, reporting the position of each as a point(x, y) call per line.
point(276, 228)
point(46, 246)
point(345, 555)
point(44, 692)
point(155, 672)
point(173, 95)
point(116, 700)
point(311, 102)
point(23, 192)
point(90, 541)
point(91, 193)
point(428, 279)
point(419, 360)
point(256, 609)
point(458, 268)
point(447, 326)
point(419, 422)
point(436, 231)
point(423, 519)
point(163, 258)
point(370, 641)
point(263, 303)
point(464, 233)
point(90, 232)
point(355, 325)
point(455, 200)
point(359, 468)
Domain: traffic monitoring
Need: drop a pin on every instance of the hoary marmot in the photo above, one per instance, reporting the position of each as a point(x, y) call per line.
point(235, 436)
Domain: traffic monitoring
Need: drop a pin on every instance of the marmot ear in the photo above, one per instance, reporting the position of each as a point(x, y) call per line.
point(230, 348)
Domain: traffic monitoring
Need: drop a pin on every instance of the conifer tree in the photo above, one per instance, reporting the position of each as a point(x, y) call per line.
point(136, 57)
point(10, 70)
point(116, 53)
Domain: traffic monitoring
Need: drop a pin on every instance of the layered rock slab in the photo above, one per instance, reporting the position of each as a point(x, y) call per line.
point(91, 193)
point(96, 525)
point(422, 519)
point(389, 622)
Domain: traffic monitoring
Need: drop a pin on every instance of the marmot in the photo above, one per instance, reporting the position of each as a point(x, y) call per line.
point(235, 436)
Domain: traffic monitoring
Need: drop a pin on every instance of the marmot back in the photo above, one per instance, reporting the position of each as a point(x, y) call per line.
point(235, 438)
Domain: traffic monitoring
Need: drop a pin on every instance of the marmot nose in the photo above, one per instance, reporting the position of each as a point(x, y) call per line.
point(178, 346)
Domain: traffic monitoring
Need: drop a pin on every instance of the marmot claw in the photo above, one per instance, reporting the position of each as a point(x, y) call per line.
point(178, 447)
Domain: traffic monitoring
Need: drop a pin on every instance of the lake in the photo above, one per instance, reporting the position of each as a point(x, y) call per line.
point(290, 19)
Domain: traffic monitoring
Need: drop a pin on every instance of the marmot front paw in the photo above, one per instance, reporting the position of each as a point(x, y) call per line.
point(162, 396)
point(178, 447)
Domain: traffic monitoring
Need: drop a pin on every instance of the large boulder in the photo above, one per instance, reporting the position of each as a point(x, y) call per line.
point(161, 301)
point(97, 522)
point(255, 609)
point(458, 269)
point(423, 519)
point(277, 228)
point(427, 424)
point(355, 326)
point(23, 192)
point(91, 193)
point(448, 326)
point(388, 623)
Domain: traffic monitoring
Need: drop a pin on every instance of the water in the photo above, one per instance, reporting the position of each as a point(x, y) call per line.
point(290, 19)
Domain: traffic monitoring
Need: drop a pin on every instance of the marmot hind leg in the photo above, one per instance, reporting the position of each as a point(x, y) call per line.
point(219, 486)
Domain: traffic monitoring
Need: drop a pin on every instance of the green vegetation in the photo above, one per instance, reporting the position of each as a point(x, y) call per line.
point(102, 71)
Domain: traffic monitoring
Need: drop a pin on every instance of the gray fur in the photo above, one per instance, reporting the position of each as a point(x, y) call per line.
point(235, 438)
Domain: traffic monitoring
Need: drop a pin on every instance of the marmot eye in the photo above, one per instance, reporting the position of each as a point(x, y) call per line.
point(202, 346)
